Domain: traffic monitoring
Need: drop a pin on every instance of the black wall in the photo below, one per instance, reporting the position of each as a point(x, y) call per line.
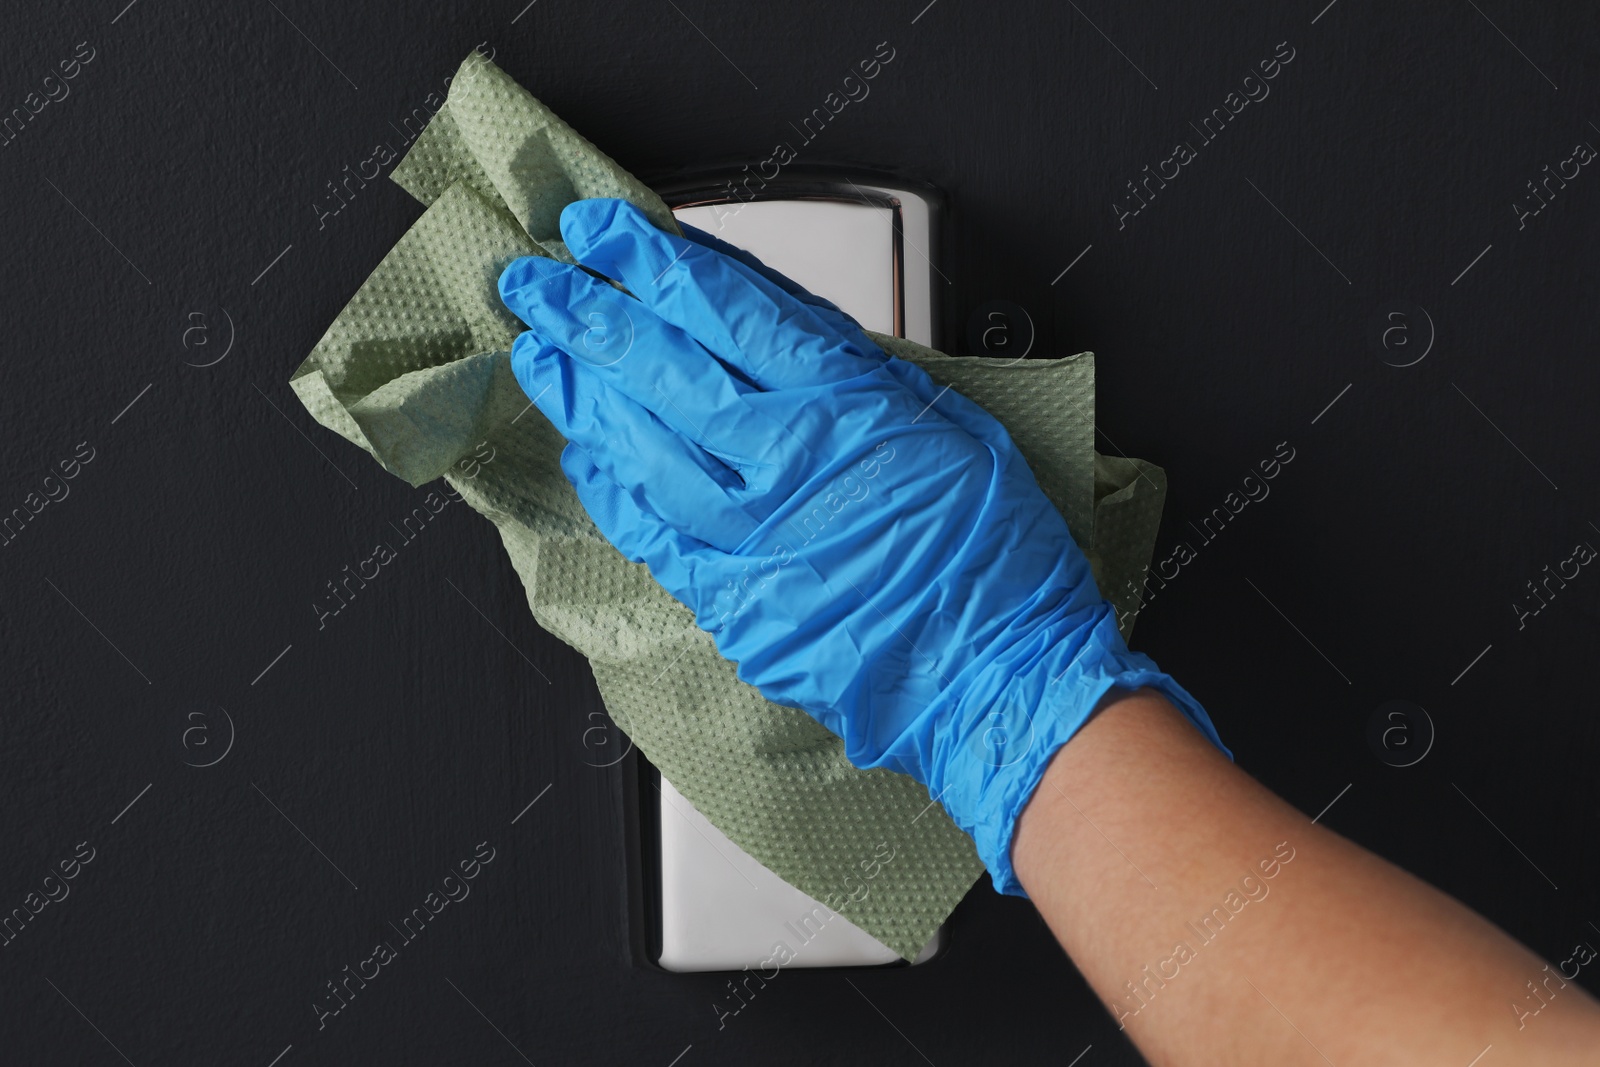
point(169, 204)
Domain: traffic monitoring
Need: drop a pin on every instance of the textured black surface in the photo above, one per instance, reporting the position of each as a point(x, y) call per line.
point(177, 187)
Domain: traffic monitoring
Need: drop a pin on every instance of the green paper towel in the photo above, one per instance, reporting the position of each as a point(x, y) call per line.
point(416, 370)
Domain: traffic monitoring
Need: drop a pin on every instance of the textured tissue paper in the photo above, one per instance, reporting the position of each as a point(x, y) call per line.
point(416, 370)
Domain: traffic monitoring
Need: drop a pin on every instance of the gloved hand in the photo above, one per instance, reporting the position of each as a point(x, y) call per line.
point(862, 543)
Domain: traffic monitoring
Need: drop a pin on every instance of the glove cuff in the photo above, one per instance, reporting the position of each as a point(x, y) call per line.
point(1032, 701)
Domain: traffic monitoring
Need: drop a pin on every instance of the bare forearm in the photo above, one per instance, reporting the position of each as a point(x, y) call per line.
point(1220, 925)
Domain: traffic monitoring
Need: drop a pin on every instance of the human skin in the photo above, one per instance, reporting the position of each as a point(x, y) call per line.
point(1140, 827)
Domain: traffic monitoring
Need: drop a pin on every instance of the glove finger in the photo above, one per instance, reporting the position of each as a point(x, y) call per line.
point(662, 471)
point(623, 344)
point(775, 339)
point(687, 568)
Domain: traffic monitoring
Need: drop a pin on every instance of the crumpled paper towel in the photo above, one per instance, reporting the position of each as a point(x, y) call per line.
point(416, 370)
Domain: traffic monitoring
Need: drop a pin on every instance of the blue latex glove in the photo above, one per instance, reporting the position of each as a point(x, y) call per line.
point(862, 543)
